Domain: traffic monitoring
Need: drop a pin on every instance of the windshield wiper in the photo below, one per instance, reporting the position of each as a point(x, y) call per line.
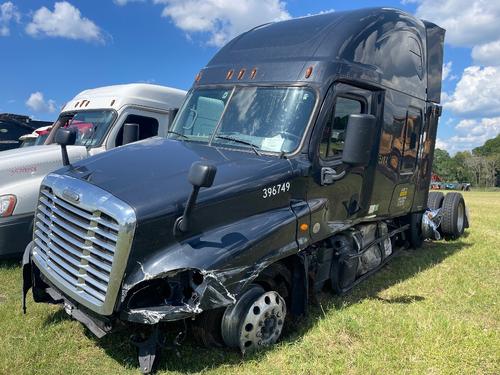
point(177, 133)
point(255, 148)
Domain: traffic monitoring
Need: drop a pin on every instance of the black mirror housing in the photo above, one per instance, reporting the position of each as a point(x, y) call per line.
point(202, 174)
point(65, 137)
point(359, 138)
point(130, 133)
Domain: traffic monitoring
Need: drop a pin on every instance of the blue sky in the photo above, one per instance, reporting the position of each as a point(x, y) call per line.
point(49, 50)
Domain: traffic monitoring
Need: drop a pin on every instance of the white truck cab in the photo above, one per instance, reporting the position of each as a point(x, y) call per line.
point(98, 116)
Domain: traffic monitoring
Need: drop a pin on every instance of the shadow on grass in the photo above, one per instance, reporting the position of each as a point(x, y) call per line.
point(191, 358)
point(9, 263)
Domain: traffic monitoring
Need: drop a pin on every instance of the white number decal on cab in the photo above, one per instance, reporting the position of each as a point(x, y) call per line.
point(275, 190)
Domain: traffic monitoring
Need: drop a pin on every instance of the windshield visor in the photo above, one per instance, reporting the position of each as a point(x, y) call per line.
point(90, 126)
point(269, 118)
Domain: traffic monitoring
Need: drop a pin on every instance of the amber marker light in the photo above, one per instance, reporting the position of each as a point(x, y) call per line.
point(253, 73)
point(304, 227)
point(229, 74)
point(309, 71)
point(241, 74)
point(198, 77)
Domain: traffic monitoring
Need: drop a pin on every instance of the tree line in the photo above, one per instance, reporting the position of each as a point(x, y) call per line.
point(481, 167)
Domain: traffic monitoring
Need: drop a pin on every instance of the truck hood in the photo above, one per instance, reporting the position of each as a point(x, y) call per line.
point(151, 175)
point(28, 162)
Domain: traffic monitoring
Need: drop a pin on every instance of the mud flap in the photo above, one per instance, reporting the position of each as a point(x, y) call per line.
point(27, 280)
point(300, 286)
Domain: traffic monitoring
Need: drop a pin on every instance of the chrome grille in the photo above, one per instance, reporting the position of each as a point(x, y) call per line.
point(78, 243)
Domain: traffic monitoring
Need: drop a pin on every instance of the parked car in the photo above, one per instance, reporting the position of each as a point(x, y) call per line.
point(102, 119)
point(271, 185)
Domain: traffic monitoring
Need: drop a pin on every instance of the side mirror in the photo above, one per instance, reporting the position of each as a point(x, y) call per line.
point(200, 175)
point(130, 133)
point(359, 140)
point(65, 137)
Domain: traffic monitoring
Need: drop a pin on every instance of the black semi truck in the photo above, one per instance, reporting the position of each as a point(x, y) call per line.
point(300, 159)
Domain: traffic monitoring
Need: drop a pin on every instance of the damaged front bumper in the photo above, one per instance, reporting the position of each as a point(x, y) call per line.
point(189, 292)
point(186, 293)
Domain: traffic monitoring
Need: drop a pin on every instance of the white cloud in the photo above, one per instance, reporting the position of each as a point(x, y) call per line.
point(8, 14)
point(65, 21)
point(488, 53)
point(222, 19)
point(125, 2)
point(477, 93)
point(470, 134)
point(467, 22)
point(36, 102)
point(447, 70)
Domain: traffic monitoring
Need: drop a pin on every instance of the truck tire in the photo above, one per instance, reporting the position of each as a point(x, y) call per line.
point(207, 328)
point(454, 219)
point(416, 234)
point(255, 321)
point(435, 200)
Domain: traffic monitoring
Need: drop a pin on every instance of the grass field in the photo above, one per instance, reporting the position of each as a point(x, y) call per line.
point(434, 311)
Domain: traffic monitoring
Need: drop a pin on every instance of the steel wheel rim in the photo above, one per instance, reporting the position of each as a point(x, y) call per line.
point(263, 322)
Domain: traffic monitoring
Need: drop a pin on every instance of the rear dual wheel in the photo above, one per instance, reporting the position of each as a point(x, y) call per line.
point(454, 219)
point(435, 200)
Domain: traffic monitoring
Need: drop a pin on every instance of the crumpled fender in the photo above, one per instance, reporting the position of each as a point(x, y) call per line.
point(228, 257)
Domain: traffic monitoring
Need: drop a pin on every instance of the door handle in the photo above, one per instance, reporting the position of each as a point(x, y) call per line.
point(329, 175)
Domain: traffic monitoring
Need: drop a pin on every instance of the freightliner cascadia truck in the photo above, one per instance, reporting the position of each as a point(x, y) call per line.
point(300, 159)
point(102, 118)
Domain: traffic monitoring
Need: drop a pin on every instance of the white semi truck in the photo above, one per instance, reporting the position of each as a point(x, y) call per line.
point(103, 118)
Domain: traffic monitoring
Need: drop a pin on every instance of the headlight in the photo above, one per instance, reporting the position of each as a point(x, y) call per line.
point(7, 204)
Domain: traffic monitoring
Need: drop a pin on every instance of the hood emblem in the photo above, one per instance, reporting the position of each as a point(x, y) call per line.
point(71, 195)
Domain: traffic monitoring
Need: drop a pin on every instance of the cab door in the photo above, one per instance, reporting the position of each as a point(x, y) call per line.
point(339, 192)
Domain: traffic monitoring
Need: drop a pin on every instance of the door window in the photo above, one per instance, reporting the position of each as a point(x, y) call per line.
point(332, 140)
point(148, 127)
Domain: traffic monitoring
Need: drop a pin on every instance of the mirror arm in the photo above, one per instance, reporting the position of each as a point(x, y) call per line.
point(182, 223)
point(65, 157)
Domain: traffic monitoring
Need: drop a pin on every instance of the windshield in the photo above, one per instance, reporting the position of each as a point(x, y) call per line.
point(267, 118)
point(91, 126)
point(40, 140)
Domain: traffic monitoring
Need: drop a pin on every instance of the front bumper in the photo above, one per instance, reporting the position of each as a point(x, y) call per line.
point(15, 234)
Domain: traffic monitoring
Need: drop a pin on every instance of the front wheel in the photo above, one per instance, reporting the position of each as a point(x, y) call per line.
point(255, 321)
